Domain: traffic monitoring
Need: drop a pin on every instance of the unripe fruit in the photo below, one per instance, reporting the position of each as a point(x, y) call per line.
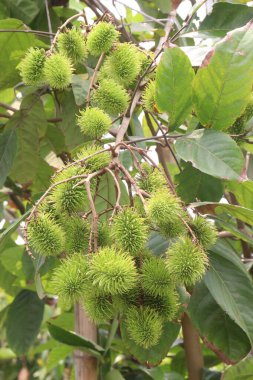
point(104, 237)
point(101, 38)
point(32, 67)
point(45, 236)
point(129, 231)
point(112, 272)
point(151, 179)
point(94, 122)
point(165, 212)
point(69, 279)
point(155, 277)
point(110, 97)
point(99, 308)
point(96, 162)
point(148, 96)
point(73, 45)
point(187, 262)
point(144, 326)
point(205, 232)
point(166, 305)
point(77, 235)
point(65, 197)
point(58, 71)
point(123, 65)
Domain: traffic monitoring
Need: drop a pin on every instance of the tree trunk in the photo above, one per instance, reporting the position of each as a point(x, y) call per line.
point(194, 357)
point(85, 365)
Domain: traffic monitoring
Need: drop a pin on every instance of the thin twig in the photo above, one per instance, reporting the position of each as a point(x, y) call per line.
point(49, 21)
point(94, 77)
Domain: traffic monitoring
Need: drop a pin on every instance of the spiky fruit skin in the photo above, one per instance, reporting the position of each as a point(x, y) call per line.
point(45, 236)
point(32, 67)
point(164, 211)
point(101, 38)
point(148, 96)
point(239, 125)
point(69, 279)
point(129, 231)
point(123, 65)
point(155, 277)
point(98, 161)
point(151, 179)
point(73, 45)
point(144, 326)
point(110, 97)
point(112, 272)
point(104, 237)
point(77, 235)
point(94, 122)
point(166, 305)
point(187, 262)
point(58, 71)
point(65, 198)
point(205, 232)
point(98, 307)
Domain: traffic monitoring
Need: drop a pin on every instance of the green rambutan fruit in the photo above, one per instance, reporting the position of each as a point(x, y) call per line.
point(187, 262)
point(164, 211)
point(155, 277)
point(72, 44)
point(69, 279)
point(123, 64)
point(99, 307)
point(148, 96)
point(110, 97)
point(205, 232)
point(104, 236)
point(144, 326)
point(94, 122)
point(45, 236)
point(129, 231)
point(151, 179)
point(112, 272)
point(77, 235)
point(67, 199)
point(58, 71)
point(101, 38)
point(165, 305)
point(32, 67)
point(96, 162)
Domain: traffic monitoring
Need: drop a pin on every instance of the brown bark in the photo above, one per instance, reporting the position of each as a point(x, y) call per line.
point(194, 357)
point(85, 365)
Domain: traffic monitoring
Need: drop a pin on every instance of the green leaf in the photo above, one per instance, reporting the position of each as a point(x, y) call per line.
point(221, 90)
point(225, 17)
point(80, 86)
point(58, 354)
point(157, 243)
point(212, 152)
point(71, 339)
point(194, 184)
point(213, 323)
point(11, 259)
point(8, 146)
point(243, 192)
point(114, 374)
point(242, 213)
point(242, 370)
point(23, 322)
point(231, 287)
point(25, 10)
point(174, 85)
point(156, 353)
point(27, 121)
point(12, 227)
point(13, 47)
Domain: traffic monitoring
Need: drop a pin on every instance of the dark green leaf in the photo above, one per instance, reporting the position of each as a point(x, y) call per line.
point(23, 322)
point(80, 85)
point(214, 324)
point(221, 90)
point(71, 339)
point(25, 10)
point(231, 287)
point(8, 146)
point(243, 192)
point(212, 152)
point(157, 243)
point(114, 374)
point(57, 354)
point(194, 184)
point(174, 85)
